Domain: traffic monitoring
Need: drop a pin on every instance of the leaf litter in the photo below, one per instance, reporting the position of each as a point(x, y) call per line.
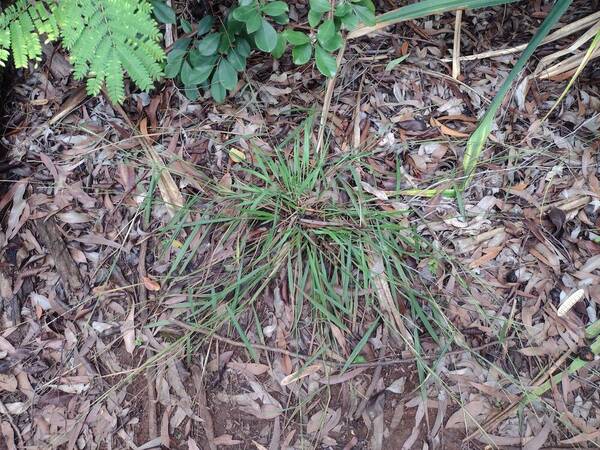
point(86, 312)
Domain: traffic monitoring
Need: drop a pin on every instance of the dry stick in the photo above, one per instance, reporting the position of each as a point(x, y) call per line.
point(152, 428)
point(456, 48)
point(567, 30)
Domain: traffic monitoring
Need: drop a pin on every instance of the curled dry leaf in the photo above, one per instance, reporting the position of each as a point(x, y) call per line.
point(301, 373)
point(151, 284)
point(558, 218)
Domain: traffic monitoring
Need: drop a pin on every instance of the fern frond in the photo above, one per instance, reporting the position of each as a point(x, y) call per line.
point(110, 38)
point(21, 25)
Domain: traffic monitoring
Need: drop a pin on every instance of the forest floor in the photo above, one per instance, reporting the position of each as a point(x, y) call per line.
point(196, 276)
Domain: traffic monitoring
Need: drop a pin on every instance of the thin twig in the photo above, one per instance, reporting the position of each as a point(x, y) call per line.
point(456, 48)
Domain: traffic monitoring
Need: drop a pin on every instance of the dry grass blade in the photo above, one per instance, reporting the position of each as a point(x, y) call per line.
point(562, 32)
point(544, 70)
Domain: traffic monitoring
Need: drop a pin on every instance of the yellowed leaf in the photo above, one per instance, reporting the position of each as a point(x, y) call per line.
point(236, 155)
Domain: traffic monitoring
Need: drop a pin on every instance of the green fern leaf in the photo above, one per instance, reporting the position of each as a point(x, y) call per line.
point(108, 39)
point(21, 26)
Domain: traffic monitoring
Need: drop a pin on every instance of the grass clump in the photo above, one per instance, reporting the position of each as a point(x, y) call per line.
point(300, 231)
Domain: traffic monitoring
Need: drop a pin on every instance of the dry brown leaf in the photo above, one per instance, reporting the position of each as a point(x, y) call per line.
point(540, 438)
point(342, 378)
point(192, 444)
point(301, 373)
point(128, 330)
point(8, 382)
point(469, 415)
point(227, 440)
point(151, 284)
point(9, 436)
point(255, 369)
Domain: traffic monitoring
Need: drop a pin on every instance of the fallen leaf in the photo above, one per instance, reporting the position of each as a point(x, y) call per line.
point(300, 373)
point(226, 439)
point(150, 284)
point(128, 330)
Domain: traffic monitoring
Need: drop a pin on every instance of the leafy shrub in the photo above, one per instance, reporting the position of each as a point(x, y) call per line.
point(211, 58)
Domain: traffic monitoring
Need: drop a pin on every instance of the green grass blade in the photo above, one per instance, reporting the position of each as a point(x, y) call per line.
point(422, 9)
point(479, 137)
point(430, 7)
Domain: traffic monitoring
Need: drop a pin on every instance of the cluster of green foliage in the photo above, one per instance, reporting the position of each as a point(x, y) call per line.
point(106, 39)
point(211, 57)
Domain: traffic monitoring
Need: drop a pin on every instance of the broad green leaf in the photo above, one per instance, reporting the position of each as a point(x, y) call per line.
point(243, 48)
point(314, 18)
point(250, 16)
point(209, 44)
point(342, 9)
point(217, 90)
point(296, 37)
point(163, 12)
point(196, 59)
point(254, 22)
point(326, 62)
point(237, 61)
point(394, 62)
point(350, 21)
point(364, 14)
point(301, 54)
point(205, 25)
point(191, 92)
point(479, 137)
point(186, 26)
point(226, 75)
point(174, 62)
point(274, 9)
point(326, 32)
point(266, 37)
point(279, 49)
point(320, 6)
point(283, 19)
point(193, 76)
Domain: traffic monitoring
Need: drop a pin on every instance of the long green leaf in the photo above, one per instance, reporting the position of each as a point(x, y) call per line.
point(479, 137)
point(429, 7)
point(422, 9)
